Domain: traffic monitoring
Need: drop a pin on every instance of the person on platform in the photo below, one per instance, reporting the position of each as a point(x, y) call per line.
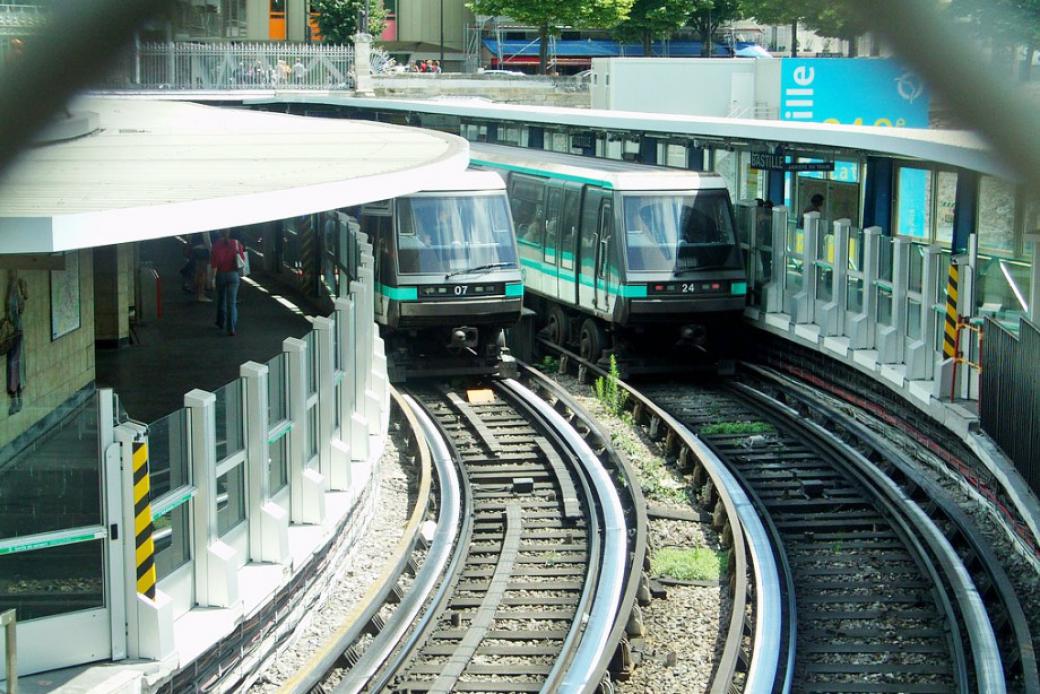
point(815, 204)
point(226, 252)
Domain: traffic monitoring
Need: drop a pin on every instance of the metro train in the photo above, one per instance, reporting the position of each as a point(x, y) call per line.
point(447, 276)
point(633, 259)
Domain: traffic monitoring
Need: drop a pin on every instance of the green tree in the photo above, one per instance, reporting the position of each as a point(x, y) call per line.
point(1009, 27)
point(777, 12)
point(838, 20)
point(549, 15)
point(338, 19)
point(706, 16)
point(652, 19)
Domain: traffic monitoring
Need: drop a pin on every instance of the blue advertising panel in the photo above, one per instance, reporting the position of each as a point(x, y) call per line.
point(852, 91)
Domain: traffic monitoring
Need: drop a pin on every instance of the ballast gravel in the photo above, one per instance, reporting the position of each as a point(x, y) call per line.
point(364, 565)
point(685, 632)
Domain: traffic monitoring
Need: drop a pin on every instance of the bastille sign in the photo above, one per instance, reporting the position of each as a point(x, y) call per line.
point(778, 162)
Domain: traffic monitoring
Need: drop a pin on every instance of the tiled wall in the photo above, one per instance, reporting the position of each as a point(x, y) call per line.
point(54, 370)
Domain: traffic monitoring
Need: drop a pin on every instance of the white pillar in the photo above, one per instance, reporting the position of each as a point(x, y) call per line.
point(306, 487)
point(773, 291)
point(832, 314)
point(862, 326)
point(803, 304)
point(340, 477)
point(363, 64)
point(268, 522)
point(891, 339)
point(216, 577)
point(360, 353)
point(326, 372)
point(149, 620)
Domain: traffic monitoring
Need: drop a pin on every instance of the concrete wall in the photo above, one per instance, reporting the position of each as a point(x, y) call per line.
point(54, 370)
point(520, 90)
point(687, 86)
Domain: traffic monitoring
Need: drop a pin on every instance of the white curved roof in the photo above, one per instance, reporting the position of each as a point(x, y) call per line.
point(157, 169)
point(951, 147)
point(609, 173)
point(468, 180)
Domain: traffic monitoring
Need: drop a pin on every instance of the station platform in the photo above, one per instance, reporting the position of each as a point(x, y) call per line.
point(183, 349)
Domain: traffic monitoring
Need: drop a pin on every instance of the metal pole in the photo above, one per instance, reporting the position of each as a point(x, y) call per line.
point(9, 622)
point(442, 35)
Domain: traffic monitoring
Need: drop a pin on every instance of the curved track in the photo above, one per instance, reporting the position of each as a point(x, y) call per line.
point(878, 589)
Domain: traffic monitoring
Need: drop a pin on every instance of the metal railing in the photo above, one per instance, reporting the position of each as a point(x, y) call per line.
point(1009, 398)
point(218, 66)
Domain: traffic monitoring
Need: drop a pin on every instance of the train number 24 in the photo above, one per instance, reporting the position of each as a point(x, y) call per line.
point(687, 287)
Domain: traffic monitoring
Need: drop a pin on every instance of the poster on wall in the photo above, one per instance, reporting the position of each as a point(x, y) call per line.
point(65, 297)
point(852, 91)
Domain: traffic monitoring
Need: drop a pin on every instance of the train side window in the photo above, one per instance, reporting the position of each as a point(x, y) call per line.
point(552, 223)
point(527, 197)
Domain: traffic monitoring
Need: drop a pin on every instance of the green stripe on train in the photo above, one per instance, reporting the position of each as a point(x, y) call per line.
point(545, 174)
point(398, 293)
point(628, 291)
point(514, 289)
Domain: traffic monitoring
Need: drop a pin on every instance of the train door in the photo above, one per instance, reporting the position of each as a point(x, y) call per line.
point(588, 241)
point(377, 222)
point(550, 250)
point(568, 239)
point(604, 274)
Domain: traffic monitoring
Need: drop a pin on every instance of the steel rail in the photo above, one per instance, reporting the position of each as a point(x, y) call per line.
point(593, 525)
point(577, 678)
point(631, 487)
point(988, 562)
point(444, 539)
point(989, 672)
point(324, 659)
point(765, 669)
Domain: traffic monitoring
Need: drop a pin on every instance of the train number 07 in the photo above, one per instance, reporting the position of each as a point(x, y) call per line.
point(460, 290)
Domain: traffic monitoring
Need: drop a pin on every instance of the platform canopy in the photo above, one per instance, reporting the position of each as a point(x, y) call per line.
point(154, 169)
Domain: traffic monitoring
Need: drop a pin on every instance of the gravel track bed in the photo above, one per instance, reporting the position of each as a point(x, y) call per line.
point(1023, 573)
point(685, 632)
point(364, 565)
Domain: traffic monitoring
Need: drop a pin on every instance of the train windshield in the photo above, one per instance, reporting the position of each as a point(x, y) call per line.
point(454, 233)
point(676, 233)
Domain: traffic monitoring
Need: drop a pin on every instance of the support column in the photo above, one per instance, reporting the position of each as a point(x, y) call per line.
point(149, 611)
point(324, 343)
point(803, 304)
point(216, 577)
point(832, 313)
point(306, 487)
point(773, 291)
point(891, 339)
point(268, 522)
point(921, 357)
point(340, 451)
point(363, 65)
point(113, 295)
point(861, 327)
point(358, 416)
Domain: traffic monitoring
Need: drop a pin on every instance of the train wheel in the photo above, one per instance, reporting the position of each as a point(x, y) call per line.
point(591, 341)
point(556, 326)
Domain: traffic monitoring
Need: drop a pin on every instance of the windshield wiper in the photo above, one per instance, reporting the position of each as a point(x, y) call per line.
point(478, 268)
point(717, 266)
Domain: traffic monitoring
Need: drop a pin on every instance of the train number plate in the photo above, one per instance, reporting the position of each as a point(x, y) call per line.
point(696, 287)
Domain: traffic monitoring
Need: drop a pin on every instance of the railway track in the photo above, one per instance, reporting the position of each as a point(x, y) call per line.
point(528, 575)
point(888, 587)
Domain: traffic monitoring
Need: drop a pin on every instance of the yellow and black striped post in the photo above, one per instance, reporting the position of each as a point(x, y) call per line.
point(144, 546)
point(952, 317)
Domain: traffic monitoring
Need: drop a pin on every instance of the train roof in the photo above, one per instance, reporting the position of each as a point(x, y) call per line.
point(608, 173)
point(468, 180)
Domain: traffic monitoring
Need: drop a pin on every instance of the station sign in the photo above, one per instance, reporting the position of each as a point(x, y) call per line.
point(779, 162)
point(852, 91)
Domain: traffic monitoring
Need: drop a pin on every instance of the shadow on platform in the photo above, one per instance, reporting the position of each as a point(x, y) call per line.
point(184, 349)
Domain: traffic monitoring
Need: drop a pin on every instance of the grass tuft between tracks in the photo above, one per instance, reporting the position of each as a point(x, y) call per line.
point(737, 428)
point(698, 564)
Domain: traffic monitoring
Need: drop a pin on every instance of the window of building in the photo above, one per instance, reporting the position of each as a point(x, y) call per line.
point(926, 201)
point(996, 216)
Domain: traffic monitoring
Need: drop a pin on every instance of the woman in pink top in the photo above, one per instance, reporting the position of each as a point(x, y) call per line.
point(223, 258)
